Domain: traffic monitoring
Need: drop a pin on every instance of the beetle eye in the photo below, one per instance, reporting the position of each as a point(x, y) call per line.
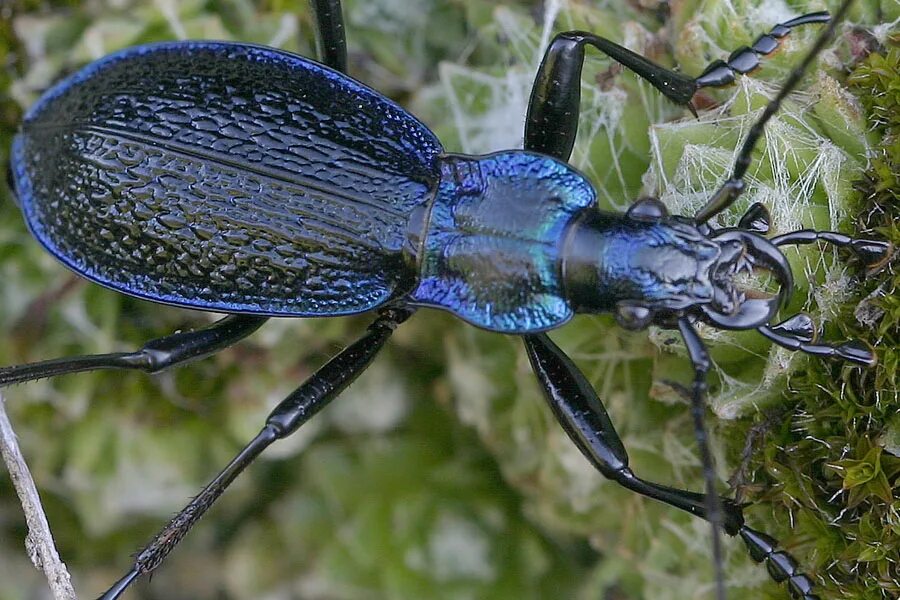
point(647, 209)
point(633, 316)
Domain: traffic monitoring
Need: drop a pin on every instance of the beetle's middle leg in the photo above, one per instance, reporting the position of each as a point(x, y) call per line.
point(154, 356)
point(582, 415)
point(295, 410)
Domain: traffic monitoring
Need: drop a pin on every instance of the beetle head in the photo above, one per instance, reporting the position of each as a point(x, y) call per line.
point(710, 265)
point(700, 273)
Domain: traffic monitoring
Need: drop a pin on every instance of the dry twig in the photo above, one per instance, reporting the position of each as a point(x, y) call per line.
point(39, 541)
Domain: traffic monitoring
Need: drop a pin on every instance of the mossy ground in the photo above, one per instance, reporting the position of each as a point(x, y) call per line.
point(441, 474)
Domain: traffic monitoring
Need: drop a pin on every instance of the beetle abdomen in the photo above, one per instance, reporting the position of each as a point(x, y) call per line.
point(228, 177)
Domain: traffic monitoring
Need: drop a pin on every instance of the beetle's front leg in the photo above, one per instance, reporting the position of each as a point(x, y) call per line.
point(581, 413)
point(552, 120)
point(295, 410)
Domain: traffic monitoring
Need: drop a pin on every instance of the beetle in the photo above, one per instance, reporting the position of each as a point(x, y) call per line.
point(168, 173)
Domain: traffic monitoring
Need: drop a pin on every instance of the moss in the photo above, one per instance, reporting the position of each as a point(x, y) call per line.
point(837, 463)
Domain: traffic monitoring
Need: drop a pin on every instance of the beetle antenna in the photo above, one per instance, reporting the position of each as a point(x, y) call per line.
point(874, 254)
point(732, 188)
point(697, 394)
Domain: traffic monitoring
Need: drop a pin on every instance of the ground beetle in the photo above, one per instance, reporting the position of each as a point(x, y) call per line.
point(250, 181)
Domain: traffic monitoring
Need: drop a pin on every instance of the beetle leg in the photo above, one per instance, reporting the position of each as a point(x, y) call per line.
point(731, 189)
point(552, 120)
point(153, 357)
point(581, 413)
point(308, 399)
point(747, 58)
point(331, 43)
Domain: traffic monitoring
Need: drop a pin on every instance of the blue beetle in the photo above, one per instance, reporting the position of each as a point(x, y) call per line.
point(254, 182)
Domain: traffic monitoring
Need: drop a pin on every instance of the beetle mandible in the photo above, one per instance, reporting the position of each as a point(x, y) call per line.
point(339, 202)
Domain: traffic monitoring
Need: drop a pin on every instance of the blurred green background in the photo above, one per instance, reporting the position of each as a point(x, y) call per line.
point(440, 473)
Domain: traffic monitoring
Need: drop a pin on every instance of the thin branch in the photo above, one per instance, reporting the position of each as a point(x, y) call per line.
point(39, 541)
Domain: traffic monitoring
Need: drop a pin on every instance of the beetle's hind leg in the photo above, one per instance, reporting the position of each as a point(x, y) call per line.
point(582, 415)
point(153, 357)
point(295, 410)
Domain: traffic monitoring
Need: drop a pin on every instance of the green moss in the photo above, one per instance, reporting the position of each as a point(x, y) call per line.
point(842, 448)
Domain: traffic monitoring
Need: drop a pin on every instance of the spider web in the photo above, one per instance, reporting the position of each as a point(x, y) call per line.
point(797, 173)
point(488, 108)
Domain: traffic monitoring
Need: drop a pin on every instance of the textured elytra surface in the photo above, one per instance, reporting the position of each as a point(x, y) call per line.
point(225, 176)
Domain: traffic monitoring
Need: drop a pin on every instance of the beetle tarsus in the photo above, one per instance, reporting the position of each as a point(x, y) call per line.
point(781, 565)
point(748, 58)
